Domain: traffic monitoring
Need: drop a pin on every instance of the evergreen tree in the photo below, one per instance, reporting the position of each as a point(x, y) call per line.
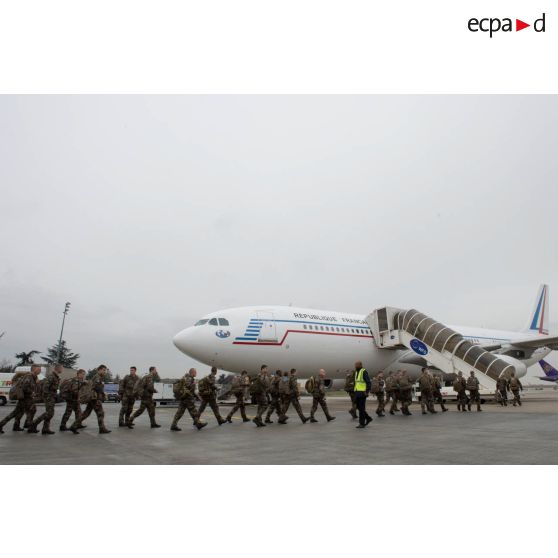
point(25, 359)
point(6, 365)
point(66, 358)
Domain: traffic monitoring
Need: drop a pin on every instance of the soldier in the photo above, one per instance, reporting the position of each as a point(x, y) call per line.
point(126, 391)
point(391, 393)
point(239, 385)
point(208, 394)
point(459, 386)
point(318, 397)
point(26, 384)
point(145, 389)
point(425, 385)
point(50, 390)
point(379, 390)
point(473, 387)
point(259, 388)
point(502, 390)
point(284, 388)
point(275, 404)
point(350, 389)
point(69, 390)
point(515, 386)
point(95, 403)
point(185, 392)
point(437, 392)
point(294, 397)
point(404, 391)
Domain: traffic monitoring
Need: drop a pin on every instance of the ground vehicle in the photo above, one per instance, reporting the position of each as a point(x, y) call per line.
point(111, 393)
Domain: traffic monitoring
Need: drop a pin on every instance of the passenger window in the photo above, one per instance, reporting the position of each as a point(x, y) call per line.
point(322, 327)
point(223, 322)
point(213, 321)
point(337, 329)
point(304, 326)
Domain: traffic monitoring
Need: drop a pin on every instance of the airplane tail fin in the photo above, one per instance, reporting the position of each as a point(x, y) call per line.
point(539, 319)
point(548, 369)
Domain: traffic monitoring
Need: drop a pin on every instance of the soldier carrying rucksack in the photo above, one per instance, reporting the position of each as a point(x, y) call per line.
point(294, 397)
point(379, 390)
point(425, 385)
point(275, 404)
point(319, 397)
point(145, 389)
point(515, 387)
point(239, 385)
point(459, 386)
point(185, 393)
point(207, 389)
point(473, 387)
point(126, 391)
point(22, 391)
point(259, 387)
point(69, 391)
point(404, 391)
point(50, 391)
point(350, 389)
point(502, 390)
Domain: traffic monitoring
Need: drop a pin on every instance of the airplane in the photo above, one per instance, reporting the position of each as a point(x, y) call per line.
point(284, 337)
point(551, 374)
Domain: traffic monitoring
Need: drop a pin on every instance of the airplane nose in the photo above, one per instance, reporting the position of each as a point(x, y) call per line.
point(182, 340)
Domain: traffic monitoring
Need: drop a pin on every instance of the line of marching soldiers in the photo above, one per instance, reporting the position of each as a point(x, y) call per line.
point(272, 394)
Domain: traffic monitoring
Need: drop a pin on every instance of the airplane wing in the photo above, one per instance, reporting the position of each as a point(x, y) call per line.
point(550, 341)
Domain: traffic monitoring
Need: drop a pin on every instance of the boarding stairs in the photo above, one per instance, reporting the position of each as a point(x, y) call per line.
point(439, 345)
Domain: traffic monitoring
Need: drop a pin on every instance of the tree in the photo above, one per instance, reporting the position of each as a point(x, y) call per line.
point(25, 359)
point(6, 365)
point(66, 358)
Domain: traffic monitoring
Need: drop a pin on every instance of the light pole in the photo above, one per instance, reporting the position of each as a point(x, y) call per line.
point(66, 310)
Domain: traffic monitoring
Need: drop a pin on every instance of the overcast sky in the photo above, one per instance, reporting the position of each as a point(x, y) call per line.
point(148, 212)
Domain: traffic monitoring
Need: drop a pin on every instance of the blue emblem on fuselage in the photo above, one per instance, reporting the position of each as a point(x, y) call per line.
point(223, 334)
point(419, 347)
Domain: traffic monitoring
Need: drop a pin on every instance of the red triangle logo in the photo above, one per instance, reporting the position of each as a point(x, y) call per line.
point(519, 25)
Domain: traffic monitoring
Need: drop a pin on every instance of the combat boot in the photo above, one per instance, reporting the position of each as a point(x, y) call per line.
point(304, 420)
point(282, 420)
point(104, 430)
point(469, 406)
point(17, 428)
point(444, 408)
point(330, 418)
point(258, 422)
point(155, 425)
point(121, 423)
point(74, 429)
point(46, 431)
point(200, 425)
point(312, 419)
point(229, 419)
point(221, 421)
point(32, 429)
point(392, 412)
point(63, 428)
point(175, 428)
point(245, 419)
point(130, 424)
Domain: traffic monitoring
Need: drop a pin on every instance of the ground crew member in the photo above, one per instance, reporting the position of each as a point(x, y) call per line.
point(379, 390)
point(502, 390)
point(437, 392)
point(239, 385)
point(391, 393)
point(404, 392)
point(362, 391)
point(50, 391)
point(294, 397)
point(459, 386)
point(284, 389)
point(515, 386)
point(275, 404)
point(126, 391)
point(259, 387)
point(319, 398)
point(27, 383)
point(72, 399)
point(146, 389)
point(473, 387)
point(207, 390)
point(350, 389)
point(425, 385)
point(185, 391)
point(95, 403)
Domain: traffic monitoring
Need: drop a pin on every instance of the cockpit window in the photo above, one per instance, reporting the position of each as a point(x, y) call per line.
point(223, 321)
point(213, 321)
point(201, 322)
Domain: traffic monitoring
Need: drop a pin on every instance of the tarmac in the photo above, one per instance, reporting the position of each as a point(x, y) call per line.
point(498, 435)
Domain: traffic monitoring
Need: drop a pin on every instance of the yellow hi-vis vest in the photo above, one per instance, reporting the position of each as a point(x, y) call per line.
point(360, 384)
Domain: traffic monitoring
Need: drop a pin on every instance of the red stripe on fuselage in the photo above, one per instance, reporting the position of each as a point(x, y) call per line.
point(301, 331)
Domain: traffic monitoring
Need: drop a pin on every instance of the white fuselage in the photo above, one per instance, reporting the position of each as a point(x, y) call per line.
point(284, 337)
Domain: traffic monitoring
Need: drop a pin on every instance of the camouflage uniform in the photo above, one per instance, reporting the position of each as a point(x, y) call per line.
point(294, 398)
point(146, 391)
point(425, 385)
point(404, 393)
point(459, 386)
point(23, 406)
point(259, 388)
point(284, 390)
point(379, 385)
point(72, 402)
point(391, 394)
point(502, 390)
point(126, 392)
point(474, 396)
point(319, 398)
point(275, 404)
point(50, 390)
point(95, 404)
point(208, 395)
point(515, 386)
point(437, 393)
point(350, 389)
point(186, 402)
point(239, 390)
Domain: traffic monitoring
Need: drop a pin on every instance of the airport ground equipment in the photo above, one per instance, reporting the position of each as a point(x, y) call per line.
point(439, 345)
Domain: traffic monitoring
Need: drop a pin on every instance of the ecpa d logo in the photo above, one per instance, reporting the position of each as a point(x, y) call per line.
point(493, 25)
point(419, 347)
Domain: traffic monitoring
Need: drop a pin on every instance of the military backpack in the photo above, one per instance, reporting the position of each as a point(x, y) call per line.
point(256, 386)
point(16, 391)
point(457, 384)
point(310, 384)
point(180, 389)
point(85, 394)
point(66, 389)
point(204, 387)
point(472, 383)
point(375, 386)
point(514, 383)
